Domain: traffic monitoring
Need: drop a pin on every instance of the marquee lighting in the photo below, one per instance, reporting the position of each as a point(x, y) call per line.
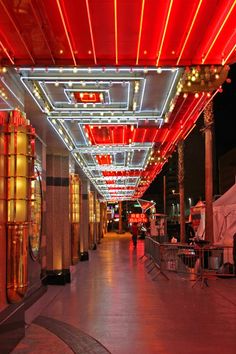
point(205, 56)
point(189, 31)
point(66, 31)
point(140, 31)
point(116, 148)
point(164, 32)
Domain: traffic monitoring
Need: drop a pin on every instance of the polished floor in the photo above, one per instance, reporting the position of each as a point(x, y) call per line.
point(113, 305)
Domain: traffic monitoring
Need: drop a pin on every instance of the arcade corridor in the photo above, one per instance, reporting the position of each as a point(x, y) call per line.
point(113, 299)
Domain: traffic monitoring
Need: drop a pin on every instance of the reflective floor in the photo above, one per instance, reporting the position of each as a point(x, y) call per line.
point(113, 305)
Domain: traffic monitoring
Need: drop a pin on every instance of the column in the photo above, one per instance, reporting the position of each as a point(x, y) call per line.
point(208, 124)
point(120, 217)
point(57, 220)
point(84, 224)
point(181, 189)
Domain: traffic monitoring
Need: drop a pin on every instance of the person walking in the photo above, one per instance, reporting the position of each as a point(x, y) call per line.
point(134, 230)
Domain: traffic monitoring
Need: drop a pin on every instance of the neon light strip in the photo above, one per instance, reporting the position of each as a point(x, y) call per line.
point(6, 52)
point(84, 136)
point(185, 137)
point(17, 30)
point(153, 140)
point(34, 98)
point(164, 33)
point(7, 103)
point(144, 135)
point(111, 168)
point(141, 101)
point(100, 149)
point(189, 31)
point(228, 56)
point(93, 138)
point(116, 34)
point(170, 92)
point(66, 31)
point(111, 178)
point(208, 102)
point(41, 26)
point(83, 78)
point(130, 118)
point(140, 31)
point(61, 109)
point(9, 89)
point(107, 69)
point(176, 114)
point(91, 32)
point(218, 33)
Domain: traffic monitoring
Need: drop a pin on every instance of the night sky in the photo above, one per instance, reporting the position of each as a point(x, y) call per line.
point(225, 115)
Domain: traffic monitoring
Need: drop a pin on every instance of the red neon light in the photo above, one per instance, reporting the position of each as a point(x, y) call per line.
point(40, 26)
point(66, 32)
point(218, 33)
point(91, 32)
point(103, 159)
point(140, 31)
point(6, 52)
point(87, 97)
point(18, 32)
point(116, 34)
point(164, 33)
point(228, 56)
point(137, 218)
point(189, 31)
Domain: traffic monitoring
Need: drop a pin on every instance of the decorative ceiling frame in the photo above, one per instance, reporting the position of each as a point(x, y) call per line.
point(122, 149)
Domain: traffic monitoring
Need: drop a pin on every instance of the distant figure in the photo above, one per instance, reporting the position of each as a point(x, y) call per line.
point(134, 231)
point(234, 252)
point(189, 232)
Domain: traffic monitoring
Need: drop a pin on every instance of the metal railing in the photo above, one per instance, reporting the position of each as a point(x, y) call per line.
point(201, 260)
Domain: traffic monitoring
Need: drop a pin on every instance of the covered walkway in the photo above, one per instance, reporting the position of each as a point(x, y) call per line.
point(112, 305)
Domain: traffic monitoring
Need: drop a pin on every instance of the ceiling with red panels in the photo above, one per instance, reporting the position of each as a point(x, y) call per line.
point(120, 81)
point(117, 32)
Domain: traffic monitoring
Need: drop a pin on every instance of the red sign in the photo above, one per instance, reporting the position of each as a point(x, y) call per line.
point(133, 218)
point(88, 97)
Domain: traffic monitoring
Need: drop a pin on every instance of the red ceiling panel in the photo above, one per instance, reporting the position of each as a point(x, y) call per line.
point(107, 32)
point(103, 159)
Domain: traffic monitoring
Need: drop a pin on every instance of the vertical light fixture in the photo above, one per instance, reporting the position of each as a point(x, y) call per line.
point(17, 160)
point(75, 216)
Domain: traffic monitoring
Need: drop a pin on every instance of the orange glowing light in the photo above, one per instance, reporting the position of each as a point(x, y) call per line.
point(116, 33)
point(91, 32)
point(66, 31)
point(218, 33)
point(189, 31)
point(140, 31)
point(164, 32)
point(228, 56)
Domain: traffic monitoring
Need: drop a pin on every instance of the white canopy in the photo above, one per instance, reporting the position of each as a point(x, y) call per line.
point(224, 216)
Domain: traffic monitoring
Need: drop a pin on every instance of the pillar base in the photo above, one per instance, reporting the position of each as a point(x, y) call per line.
point(58, 277)
point(84, 256)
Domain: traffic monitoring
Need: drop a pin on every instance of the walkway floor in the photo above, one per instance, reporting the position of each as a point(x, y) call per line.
point(112, 305)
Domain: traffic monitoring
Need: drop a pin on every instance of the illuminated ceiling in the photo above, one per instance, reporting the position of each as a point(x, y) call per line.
point(121, 125)
point(121, 81)
point(117, 32)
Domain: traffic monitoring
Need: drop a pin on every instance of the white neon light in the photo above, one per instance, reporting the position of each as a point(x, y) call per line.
point(97, 69)
point(170, 92)
point(34, 98)
point(142, 95)
point(9, 89)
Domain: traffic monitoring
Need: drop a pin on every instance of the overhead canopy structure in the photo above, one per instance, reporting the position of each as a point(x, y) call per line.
point(120, 81)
